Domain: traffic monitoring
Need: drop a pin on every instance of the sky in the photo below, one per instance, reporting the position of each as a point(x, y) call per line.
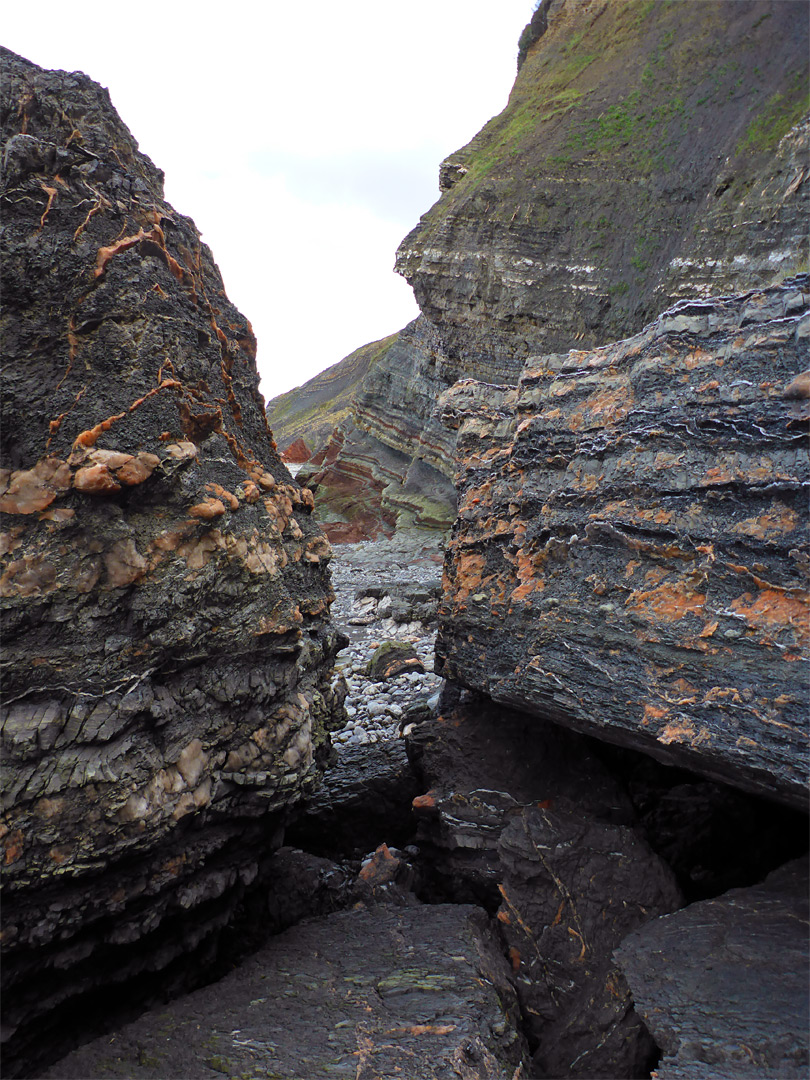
point(304, 139)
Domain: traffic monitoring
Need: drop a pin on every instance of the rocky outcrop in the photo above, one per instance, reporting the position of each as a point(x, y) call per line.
point(167, 650)
point(311, 412)
point(646, 152)
point(723, 984)
point(526, 819)
point(649, 152)
point(628, 558)
point(373, 992)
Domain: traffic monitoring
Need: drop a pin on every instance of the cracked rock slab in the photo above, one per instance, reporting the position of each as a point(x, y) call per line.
point(722, 984)
point(413, 993)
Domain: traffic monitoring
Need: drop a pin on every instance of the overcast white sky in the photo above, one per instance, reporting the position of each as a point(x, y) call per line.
point(304, 139)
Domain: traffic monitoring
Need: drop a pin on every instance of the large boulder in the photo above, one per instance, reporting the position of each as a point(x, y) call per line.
point(628, 558)
point(723, 984)
point(165, 593)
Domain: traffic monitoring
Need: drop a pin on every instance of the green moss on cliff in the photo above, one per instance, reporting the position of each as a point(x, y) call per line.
point(778, 115)
point(628, 113)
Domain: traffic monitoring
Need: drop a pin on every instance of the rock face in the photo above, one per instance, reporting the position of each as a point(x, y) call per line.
point(723, 984)
point(649, 152)
point(417, 992)
point(525, 819)
point(628, 558)
point(167, 650)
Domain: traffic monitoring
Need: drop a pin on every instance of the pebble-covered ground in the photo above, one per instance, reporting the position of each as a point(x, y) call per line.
point(385, 590)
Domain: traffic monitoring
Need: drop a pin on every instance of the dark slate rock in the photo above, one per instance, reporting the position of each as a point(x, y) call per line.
point(365, 797)
point(723, 984)
point(524, 817)
point(421, 993)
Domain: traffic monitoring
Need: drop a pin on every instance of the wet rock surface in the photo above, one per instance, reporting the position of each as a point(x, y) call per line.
point(385, 992)
point(526, 820)
point(627, 557)
point(723, 984)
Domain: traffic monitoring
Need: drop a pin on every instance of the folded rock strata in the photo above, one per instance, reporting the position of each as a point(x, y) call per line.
point(629, 556)
point(648, 152)
point(167, 651)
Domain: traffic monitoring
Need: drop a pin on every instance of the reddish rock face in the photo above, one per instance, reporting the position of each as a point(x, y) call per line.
point(629, 557)
point(164, 589)
point(297, 452)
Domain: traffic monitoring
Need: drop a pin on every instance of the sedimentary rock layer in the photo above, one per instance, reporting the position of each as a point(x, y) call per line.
point(167, 651)
point(648, 152)
point(630, 553)
point(640, 158)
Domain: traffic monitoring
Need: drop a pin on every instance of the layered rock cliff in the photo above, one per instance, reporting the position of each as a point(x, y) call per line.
point(629, 557)
point(648, 152)
point(167, 655)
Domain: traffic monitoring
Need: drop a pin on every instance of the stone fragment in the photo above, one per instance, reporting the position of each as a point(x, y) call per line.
point(182, 451)
point(207, 509)
point(28, 490)
point(95, 480)
point(393, 658)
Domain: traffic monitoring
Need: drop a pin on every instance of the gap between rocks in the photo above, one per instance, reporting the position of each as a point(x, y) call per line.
point(439, 803)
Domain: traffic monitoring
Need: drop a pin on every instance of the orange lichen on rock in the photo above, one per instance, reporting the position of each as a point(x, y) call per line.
point(207, 509)
point(30, 490)
point(469, 574)
point(776, 521)
point(773, 608)
point(668, 603)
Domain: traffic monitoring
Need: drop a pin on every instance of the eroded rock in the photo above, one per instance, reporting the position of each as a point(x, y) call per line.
point(525, 819)
point(165, 595)
point(627, 558)
point(421, 992)
point(722, 984)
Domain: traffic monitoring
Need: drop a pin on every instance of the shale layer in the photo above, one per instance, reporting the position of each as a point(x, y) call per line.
point(648, 152)
point(167, 656)
point(629, 557)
